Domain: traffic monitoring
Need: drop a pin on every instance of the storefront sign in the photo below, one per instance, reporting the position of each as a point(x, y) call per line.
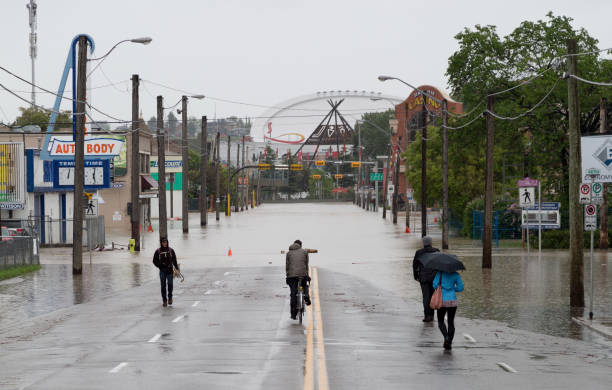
point(12, 175)
point(174, 164)
point(63, 146)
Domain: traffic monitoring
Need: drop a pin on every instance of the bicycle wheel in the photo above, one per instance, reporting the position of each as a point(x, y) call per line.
point(300, 314)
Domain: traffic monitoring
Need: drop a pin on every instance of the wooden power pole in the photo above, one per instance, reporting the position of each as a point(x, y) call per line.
point(603, 226)
point(185, 164)
point(487, 234)
point(161, 169)
point(444, 174)
point(575, 176)
point(217, 174)
point(135, 171)
point(203, 168)
point(228, 208)
point(79, 159)
point(423, 170)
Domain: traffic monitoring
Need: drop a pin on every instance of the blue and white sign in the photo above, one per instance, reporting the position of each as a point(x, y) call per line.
point(596, 153)
point(550, 216)
point(97, 174)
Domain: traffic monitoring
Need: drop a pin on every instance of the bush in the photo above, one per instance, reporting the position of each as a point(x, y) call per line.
point(560, 239)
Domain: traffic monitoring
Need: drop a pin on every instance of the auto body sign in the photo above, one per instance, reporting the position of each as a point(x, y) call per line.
point(99, 147)
point(597, 154)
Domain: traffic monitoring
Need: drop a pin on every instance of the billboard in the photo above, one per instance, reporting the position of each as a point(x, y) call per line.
point(597, 155)
point(12, 175)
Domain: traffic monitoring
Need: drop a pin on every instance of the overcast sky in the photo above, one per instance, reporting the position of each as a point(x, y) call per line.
point(258, 51)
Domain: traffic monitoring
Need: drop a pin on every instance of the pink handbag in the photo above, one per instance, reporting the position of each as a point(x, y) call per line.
point(436, 298)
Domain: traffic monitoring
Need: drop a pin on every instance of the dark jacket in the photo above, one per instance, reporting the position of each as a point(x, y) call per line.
point(164, 259)
point(422, 274)
point(296, 261)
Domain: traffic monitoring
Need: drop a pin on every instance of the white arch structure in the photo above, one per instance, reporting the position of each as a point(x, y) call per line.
point(290, 104)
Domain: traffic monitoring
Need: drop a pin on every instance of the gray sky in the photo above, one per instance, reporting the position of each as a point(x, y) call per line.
point(259, 51)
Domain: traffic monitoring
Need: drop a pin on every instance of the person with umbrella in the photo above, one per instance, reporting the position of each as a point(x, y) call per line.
point(425, 277)
point(450, 283)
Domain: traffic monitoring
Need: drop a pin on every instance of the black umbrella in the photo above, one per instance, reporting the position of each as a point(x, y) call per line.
point(441, 262)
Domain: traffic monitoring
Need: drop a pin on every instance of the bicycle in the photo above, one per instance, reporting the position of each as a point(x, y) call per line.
point(301, 305)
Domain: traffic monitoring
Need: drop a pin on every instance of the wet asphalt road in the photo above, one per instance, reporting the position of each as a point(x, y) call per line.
point(230, 329)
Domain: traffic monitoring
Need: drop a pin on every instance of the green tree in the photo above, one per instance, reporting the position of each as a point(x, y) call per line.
point(375, 130)
point(536, 142)
point(37, 116)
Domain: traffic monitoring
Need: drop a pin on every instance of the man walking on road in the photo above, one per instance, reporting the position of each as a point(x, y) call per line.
point(296, 267)
point(425, 276)
point(164, 259)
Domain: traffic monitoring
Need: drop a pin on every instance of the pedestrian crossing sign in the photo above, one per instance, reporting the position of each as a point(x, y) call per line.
point(527, 196)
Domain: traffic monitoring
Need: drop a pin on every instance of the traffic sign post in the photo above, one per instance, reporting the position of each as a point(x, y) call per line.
point(590, 224)
point(585, 193)
point(597, 193)
point(527, 199)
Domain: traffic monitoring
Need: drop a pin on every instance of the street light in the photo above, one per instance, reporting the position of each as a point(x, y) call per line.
point(142, 41)
point(423, 151)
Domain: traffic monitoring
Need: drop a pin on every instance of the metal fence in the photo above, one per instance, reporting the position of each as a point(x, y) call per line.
point(18, 250)
point(53, 231)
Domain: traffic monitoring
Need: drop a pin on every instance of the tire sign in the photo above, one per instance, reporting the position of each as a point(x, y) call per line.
point(585, 193)
point(590, 218)
point(597, 193)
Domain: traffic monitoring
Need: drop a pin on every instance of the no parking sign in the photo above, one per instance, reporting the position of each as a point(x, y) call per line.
point(590, 218)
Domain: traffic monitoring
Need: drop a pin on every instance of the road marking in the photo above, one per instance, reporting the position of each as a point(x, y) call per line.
point(323, 383)
point(177, 319)
point(196, 303)
point(118, 368)
point(469, 338)
point(208, 292)
point(506, 367)
point(218, 282)
point(309, 358)
point(155, 338)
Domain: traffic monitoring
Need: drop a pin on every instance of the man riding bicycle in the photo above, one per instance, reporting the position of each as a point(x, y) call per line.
point(296, 269)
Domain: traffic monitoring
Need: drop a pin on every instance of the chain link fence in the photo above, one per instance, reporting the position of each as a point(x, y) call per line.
point(18, 250)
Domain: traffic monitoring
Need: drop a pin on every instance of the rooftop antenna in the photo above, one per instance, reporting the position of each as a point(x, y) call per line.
point(33, 48)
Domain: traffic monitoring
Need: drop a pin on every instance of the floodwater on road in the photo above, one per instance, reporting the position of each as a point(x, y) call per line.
point(529, 293)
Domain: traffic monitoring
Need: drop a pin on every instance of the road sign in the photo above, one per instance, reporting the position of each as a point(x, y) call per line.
point(355, 164)
point(597, 193)
point(338, 176)
point(527, 182)
point(585, 193)
point(263, 167)
point(526, 196)
point(320, 163)
point(316, 177)
point(295, 167)
point(593, 172)
point(590, 217)
point(376, 176)
point(91, 207)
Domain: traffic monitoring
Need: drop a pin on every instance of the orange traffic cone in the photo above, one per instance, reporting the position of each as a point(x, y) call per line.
point(229, 253)
point(150, 228)
point(407, 229)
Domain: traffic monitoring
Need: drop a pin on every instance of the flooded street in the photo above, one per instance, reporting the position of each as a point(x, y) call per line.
point(230, 316)
point(529, 293)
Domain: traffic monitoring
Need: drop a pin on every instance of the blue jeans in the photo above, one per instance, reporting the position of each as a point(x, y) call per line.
point(163, 278)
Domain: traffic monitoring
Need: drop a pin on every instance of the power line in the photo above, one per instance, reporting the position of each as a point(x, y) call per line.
point(598, 83)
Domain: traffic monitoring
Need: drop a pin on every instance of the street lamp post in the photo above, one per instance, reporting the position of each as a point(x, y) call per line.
point(423, 149)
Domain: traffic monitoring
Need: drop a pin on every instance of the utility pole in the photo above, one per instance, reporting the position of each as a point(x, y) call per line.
point(228, 209)
point(32, 7)
point(258, 197)
point(396, 180)
point(423, 171)
point(386, 181)
point(444, 174)
point(217, 173)
point(603, 227)
point(575, 176)
point(135, 171)
point(161, 169)
point(79, 159)
point(237, 200)
point(185, 164)
point(244, 195)
point(203, 168)
point(487, 234)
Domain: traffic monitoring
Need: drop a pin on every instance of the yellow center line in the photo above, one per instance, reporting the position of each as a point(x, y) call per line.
point(321, 363)
point(309, 359)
